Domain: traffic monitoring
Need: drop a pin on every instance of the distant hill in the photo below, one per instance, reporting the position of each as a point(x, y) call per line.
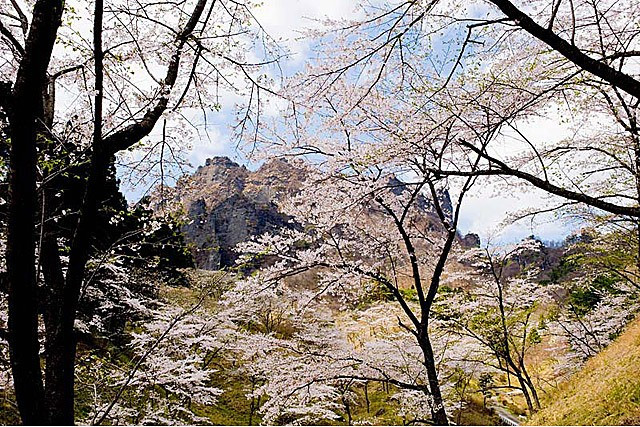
point(606, 391)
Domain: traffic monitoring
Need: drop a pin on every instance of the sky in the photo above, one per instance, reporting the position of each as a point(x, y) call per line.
point(286, 21)
point(483, 212)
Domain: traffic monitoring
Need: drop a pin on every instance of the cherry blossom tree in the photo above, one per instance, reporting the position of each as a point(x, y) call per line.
point(319, 362)
point(501, 313)
point(172, 373)
point(162, 367)
point(368, 232)
point(288, 350)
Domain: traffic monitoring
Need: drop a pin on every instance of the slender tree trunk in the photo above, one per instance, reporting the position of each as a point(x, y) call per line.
point(53, 291)
point(525, 392)
point(252, 406)
point(366, 396)
point(438, 413)
point(347, 408)
point(59, 387)
point(529, 383)
point(516, 370)
point(60, 360)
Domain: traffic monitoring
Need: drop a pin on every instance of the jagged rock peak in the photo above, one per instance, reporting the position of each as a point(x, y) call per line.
point(470, 240)
point(220, 161)
point(227, 204)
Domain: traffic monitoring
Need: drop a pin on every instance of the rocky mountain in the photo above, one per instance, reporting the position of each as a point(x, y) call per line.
point(227, 204)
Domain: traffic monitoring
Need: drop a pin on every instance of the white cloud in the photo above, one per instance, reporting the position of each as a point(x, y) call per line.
point(288, 19)
point(212, 141)
point(485, 211)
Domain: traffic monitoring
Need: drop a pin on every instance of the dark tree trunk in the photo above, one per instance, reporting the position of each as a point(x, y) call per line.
point(23, 302)
point(60, 361)
point(438, 413)
point(525, 392)
point(532, 388)
point(366, 397)
point(61, 342)
point(25, 116)
point(55, 397)
point(347, 408)
point(51, 303)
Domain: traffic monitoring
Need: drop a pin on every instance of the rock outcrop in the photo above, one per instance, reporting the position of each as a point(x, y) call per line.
point(470, 240)
point(226, 204)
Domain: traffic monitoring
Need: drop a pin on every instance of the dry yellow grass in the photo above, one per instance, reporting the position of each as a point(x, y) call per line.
point(605, 392)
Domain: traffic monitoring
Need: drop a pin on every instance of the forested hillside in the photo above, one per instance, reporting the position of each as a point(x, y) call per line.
point(374, 254)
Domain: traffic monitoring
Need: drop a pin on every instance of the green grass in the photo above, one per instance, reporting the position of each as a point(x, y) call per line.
point(382, 410)
point(8, 412)
point(605, 392)
point(232, 407)
point(473, 414)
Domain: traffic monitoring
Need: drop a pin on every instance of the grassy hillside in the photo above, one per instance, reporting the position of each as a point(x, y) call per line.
point(605, 392)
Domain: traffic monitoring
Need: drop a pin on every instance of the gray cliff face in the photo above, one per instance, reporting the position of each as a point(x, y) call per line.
point(227, 204)
point(201, 234)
